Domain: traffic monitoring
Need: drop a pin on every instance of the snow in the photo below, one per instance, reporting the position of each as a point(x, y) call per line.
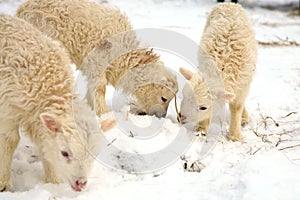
point(264, 166)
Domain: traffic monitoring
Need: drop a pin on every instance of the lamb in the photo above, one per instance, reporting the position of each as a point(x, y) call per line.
point(36, 95)
point(228, 48)
point(102, 44)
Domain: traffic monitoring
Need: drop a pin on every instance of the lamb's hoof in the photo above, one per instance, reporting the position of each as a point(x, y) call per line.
point(244, 123)
point(234, 138)
point(4, 187)
point(201, 131)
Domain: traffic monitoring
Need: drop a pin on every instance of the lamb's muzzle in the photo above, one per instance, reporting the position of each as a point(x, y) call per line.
point(158, 111)
point(181, 119)
point(79, 184)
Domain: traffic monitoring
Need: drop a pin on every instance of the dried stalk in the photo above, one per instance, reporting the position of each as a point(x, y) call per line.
point(289, 147)
point(177, 112)
point(284, 132)
point(291, 113)
point(280, 42)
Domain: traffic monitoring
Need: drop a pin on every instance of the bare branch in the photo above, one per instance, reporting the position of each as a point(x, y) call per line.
point(291, 113)
point(289, 147)
point(112, 142)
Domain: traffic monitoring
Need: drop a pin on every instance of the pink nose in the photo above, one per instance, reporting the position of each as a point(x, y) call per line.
point(80, 184)
point(182, 118)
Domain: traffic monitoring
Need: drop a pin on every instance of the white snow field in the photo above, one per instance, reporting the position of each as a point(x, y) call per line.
point(266, 165)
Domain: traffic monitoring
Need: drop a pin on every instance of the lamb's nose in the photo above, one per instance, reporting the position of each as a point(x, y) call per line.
point(80, 184)
point(157, 110)
point(181, 119)
point(159, 115)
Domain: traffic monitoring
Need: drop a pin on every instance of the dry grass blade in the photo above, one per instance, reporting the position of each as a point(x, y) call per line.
point(291, 113)
point(280, 42)
point(289, 147)
point(112, 142)
point(177, 112)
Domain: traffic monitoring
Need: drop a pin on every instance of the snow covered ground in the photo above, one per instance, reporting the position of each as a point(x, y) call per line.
point(265, 166)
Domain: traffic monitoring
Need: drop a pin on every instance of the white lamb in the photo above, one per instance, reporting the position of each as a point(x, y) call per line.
point(36, 86)
point(102, 44)
point(228, 45)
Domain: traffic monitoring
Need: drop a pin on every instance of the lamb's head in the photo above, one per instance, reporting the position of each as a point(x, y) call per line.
point(196, 104)
point(152, 99)
point(155, 89)
point(68, 147)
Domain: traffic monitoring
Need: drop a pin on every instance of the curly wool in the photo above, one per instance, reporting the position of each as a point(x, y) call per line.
point(36, 79)
point(35, 73)
point(229, 40)
point(84, 28)
point(90, 22)
point(227, 61)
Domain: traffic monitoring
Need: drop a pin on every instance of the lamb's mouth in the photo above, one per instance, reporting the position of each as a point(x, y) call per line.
point(78, 187)
point(142, 113)
point(182, 121)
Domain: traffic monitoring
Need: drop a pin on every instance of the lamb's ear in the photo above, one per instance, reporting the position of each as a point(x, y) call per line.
point(50, 122)
point(186, 73)
point(229, 96)
point(107, 124)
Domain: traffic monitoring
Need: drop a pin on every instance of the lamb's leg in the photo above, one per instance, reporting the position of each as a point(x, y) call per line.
point(236, 109)
point(50, 174)
point(9, 139)
point(245, 117)
point(96, 94)
point(99, 101)
point(203, 126)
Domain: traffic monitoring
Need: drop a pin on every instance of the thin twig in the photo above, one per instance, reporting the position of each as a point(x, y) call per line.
point(112, 142)
point(256, 151)
point(289, 114)
point(284, 132)
point(275, 122)
point(280, 42)
point(289, 147)
point(278, 142)
point(131, 134)
point(177, 112)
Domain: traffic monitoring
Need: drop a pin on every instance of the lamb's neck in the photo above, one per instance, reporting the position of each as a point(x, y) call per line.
point(123, 65)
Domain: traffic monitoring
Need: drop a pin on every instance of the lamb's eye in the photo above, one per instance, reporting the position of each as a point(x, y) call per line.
point(202, 108)
point(65, 154)
point(164, 99)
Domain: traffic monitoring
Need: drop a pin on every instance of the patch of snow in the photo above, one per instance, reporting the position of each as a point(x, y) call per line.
point(265, 166)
